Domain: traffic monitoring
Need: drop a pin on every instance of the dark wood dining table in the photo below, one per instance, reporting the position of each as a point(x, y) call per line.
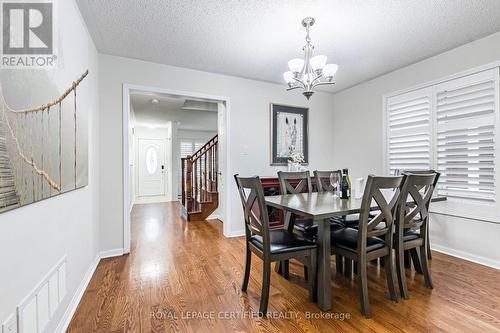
point(320, 206)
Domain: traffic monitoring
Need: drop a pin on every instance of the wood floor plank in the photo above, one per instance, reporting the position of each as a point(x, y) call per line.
point(186, 277)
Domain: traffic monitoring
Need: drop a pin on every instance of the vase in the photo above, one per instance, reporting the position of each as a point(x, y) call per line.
point(293, 167)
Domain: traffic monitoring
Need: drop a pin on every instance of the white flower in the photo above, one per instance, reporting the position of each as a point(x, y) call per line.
point(296, 157)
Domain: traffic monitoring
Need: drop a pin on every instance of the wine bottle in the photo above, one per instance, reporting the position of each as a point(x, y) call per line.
point(345, 190)
point(346, 172)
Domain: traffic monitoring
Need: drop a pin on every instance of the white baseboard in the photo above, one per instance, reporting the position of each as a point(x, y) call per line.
point(238, 233)
point(466, 256)
point(77, 296)
point(111, 253)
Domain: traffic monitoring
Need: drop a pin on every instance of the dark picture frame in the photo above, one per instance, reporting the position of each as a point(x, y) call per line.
point(289, 132)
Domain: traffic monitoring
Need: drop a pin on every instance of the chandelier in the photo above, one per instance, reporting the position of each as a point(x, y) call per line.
point(311, 71)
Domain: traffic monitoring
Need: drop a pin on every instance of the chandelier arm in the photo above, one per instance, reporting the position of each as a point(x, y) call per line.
point(303, 86)
point(326, 83)
point(317, 78)
point(293, 88)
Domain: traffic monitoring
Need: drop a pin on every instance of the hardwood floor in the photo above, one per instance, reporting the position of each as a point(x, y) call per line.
point(178, 271)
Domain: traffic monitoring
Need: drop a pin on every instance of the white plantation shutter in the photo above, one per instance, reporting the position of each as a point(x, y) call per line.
point(409, 130)
point(466, 112)
point(186, 148)
point(198, 145)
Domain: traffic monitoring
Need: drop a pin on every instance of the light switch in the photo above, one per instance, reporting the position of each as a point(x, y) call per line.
point(10, 325)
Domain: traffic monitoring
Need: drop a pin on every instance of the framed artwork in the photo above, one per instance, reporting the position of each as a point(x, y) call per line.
point(43, 136)
point(289, 133)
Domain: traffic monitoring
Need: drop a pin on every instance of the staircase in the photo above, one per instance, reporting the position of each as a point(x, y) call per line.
point(8, 194)
point(199, 186)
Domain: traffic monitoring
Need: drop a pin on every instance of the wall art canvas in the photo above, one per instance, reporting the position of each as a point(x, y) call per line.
point(289, 133)
point(43, 137)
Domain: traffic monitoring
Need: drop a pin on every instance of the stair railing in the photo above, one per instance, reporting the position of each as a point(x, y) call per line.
point(199, 174)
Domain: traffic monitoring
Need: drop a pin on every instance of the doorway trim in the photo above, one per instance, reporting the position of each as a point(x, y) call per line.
point(126, 89)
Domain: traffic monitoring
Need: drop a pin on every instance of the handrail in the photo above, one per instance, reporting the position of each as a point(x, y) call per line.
point(199, 173)
point(198, 152)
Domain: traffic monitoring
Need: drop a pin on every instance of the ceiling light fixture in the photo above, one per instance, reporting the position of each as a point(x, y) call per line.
point(155, 101)
point(311, 71)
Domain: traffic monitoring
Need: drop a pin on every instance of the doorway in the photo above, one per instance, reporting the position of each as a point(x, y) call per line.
point(151, 163)
point(151, 167)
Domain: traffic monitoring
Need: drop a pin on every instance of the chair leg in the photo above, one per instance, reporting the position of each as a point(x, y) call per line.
point(348, 267)
point(313, 290)
point(266, 280)
point(425, 268)
point(407, 259)
point(338, 263)
point(286, 269)
point(278, 267)
point(363, 289)
point(355, 267)
point(306, 273)
point(248, 261)
point(416, 260)
point(428, 241)
point(400, 267)
point(389, 272)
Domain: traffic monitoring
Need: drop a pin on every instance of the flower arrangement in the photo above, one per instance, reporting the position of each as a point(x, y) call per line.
point(296, 157)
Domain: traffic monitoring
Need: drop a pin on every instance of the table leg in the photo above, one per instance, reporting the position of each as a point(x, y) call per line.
point(324, 269)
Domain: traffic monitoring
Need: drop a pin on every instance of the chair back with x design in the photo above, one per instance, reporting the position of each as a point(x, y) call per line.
point(302, 178)
point(414, 214)
point(323, 180)
point(254, 208)
point(385, 192)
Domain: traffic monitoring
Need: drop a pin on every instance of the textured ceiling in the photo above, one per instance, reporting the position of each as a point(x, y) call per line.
point(255, 38)
point(167, 109)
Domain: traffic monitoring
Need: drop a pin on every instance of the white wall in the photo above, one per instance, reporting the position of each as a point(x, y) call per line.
point(358, 138)
point(33, 238)
point(248, 128)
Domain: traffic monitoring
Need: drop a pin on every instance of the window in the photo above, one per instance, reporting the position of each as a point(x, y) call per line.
point(451, 127)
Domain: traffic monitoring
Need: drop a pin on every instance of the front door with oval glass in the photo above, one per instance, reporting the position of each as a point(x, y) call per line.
point(151, 167)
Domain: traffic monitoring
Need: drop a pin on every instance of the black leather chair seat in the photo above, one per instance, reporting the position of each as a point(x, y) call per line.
point(351, 220)
point(306, 226)
point(348, 238)
point(283, 241)
point(410, 235)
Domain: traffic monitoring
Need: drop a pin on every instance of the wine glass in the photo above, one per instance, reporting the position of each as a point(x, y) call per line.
point(334, 182)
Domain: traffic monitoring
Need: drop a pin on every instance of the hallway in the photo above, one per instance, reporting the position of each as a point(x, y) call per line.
point(186, 277)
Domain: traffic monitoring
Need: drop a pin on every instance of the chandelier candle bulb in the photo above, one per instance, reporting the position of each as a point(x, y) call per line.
point(311, 71)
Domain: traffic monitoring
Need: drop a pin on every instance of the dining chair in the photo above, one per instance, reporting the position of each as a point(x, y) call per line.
point(322, 179)
point(373, 238)
point(426, 172)
point(294, 183)
point(412, 225)
point(270, 245)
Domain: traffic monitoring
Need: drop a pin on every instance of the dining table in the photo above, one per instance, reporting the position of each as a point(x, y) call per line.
point(320, 207)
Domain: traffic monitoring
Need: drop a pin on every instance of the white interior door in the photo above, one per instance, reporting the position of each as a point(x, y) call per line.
point(151, 167)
